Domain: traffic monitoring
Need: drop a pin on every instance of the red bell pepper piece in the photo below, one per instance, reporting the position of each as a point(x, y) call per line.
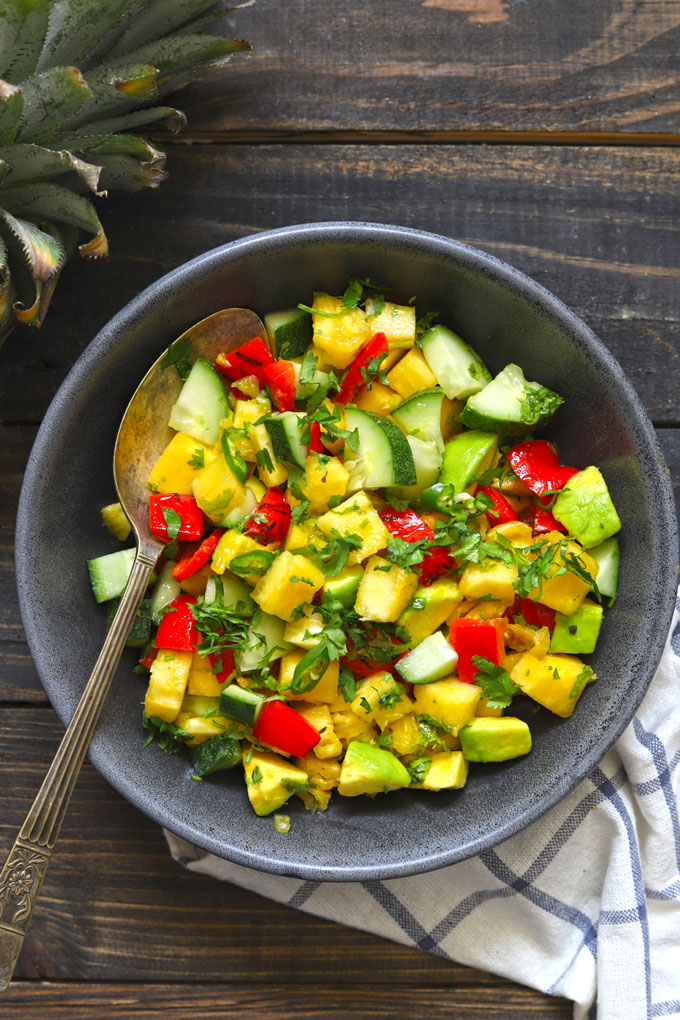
point(536, 463)
point(280, 726)
point(315, 445)
point(544, 521)
point(177, 630)
point(410, 527)
point(367, 667)
point(501, 512)
point(191, 516)
point(535, 614)
point(194, 559)
point(226, 664)
point(477, 637)
point(249, 359)
point(270, 519)
point(147, 659)
point(353, 380)
point(280, 378)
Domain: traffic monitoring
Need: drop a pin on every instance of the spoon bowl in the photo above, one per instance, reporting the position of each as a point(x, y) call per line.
point(142, 436)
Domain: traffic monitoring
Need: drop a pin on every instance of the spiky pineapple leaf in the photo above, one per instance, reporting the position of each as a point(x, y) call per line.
point(174, 121)
point(115, 89)
point(92, 146)
point(40, 251)
point(32, 163)
point(126, 174)
point(52, 99)
point(75, 29)
point(182, 52)
point(51, 201)
point(11, 108)
point(24, 23)
point(159, 19)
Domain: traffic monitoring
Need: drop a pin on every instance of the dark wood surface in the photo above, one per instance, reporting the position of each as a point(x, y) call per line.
point(365, 111)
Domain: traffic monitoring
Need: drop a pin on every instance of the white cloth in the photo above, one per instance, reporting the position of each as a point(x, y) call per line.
point(584, 903)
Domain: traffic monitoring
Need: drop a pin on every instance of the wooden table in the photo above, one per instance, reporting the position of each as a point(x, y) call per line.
point(540, 131)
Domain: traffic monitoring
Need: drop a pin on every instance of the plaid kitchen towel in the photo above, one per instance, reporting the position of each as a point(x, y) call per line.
point(584, 903)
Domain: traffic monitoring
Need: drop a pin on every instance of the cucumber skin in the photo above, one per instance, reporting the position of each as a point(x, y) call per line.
point(109, 574)
point(284, 448)
point(215, 754)
point(241, 704)
point(406, 415)
point(438, 653)
point(509, 425)
point(292, 336)
point(462, 354)
point(403, 467)
point(482, 423)
point(140, 632)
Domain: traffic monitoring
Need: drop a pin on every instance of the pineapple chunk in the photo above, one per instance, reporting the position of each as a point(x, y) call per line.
point(324, 775)
point(324, 692)
point(334, 446)
point(397, 322)
point(303, 533)
point(305, 631)
point(216, 488)
point(380, 399)
point(324, 477)
point(357, 516)
point(278, 473)
point(174, 470)
point(232, 544)
point(556, 681)
point(515, 532)
point(113, 518)
point(167, 684)
point(483, 711)
point(195, 583)
point(449, 702)
point(405, 735)
point(448, 771)
point(411, 374)
point(319, 717)
point(349, 727)
point(385, 591)
point(291, 581)
point(494, 578)
point(340, 339)
point(202, 680)
point(382, 699)
point(246, 413)
point(270, 780)
point(202, 727)
point(430, 607)
point(566, 592)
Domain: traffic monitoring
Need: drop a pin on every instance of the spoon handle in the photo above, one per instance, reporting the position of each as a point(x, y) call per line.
point(25, 867)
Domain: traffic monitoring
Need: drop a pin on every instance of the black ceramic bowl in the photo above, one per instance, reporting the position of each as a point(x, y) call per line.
point(506, 317)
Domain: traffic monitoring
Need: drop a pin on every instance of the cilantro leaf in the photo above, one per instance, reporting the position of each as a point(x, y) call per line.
point(169, 736)
point(406, 554)
point(173, 523)
point(495, 682)
point(197, 459)
point(538, 404)
point(179, 354)
point(584, 677)
point(418, 769)
point(372, 371)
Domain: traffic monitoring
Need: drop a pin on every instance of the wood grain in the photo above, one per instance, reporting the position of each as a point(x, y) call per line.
point(316, 1001)
point(446, 65)
point(595, 226)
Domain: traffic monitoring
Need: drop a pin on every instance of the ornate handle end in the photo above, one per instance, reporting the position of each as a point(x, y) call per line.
point(20, 881)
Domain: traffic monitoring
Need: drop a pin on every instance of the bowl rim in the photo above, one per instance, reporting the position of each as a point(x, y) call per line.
point(437, 244)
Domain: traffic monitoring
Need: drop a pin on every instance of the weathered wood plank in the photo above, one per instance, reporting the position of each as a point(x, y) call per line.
point(75, 1001)
point(596, 226)
point(447, 64)
point(115, 907)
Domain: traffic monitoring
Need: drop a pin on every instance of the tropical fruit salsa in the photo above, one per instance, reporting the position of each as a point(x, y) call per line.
point(369, 556)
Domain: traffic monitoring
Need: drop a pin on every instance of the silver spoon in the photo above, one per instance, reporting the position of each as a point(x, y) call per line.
point(142, 436)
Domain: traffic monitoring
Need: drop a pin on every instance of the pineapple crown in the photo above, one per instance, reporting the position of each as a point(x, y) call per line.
point(75, 77)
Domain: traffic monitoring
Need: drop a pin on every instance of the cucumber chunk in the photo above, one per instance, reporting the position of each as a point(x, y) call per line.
point(240, 704)
point(606, 555)
point(290, 332)
point(109, 574)
point(167, 588)
point(510, 404)
point(457, 368)
point(305, 390)
point(215, 754)
point(285, 429)
point(231, 592)
point(383, 456)
point(140, 632)
point(427, 459)
point(432, 659)
point(265, 643)
point(421, 416)
point(201, 405)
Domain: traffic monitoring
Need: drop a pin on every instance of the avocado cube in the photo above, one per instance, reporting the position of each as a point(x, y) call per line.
point(578, 633)
point(486, 739)
point(448, 771)
point(466, 456)
point(429, 608)
point(271, 780)
point(344, 586)
point(370, 769)
point(586, 510)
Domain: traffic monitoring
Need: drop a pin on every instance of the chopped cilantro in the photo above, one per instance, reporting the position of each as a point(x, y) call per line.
point(197, 459)
point(495, 682)
point(418, 769)
point(584, 677)
point(169, 736)
point(264, 460)
point(179, 355)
